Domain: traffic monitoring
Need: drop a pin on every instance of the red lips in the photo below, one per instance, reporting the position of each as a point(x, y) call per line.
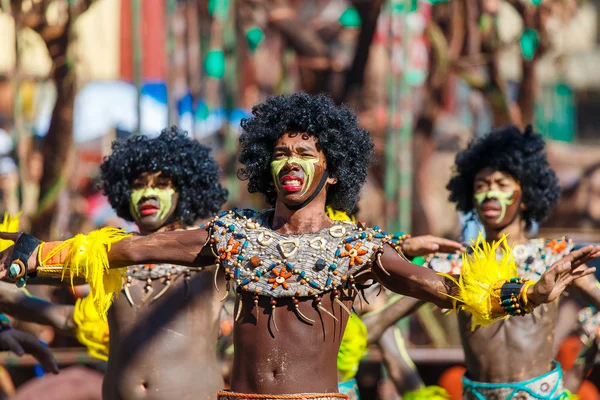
point(148, 209)
point(291, 183)
point(491, 208)
point(491, 205)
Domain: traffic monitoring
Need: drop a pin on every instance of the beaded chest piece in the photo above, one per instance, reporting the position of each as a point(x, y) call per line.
point(532, 258)
point(589, 326)
point(167, 273)
point(263, 262)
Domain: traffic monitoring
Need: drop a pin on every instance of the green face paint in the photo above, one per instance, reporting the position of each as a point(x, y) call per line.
point(307, 165)
point(502, 197)
point(163, 195)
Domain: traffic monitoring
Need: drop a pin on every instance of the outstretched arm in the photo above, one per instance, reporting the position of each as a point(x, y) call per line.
point(176, 247)
point(15, 302)
point(21, 343)
point(409, 279)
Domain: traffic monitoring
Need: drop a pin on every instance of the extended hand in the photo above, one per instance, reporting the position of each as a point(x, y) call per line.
point(20, 343)
point(560, 274)
point(423, 245)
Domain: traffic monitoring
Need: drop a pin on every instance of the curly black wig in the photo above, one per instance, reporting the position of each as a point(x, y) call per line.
point(519, 154)
point(347, 148)
point(188, 163)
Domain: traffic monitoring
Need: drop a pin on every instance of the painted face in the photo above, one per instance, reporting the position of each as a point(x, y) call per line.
point(297, 167)
point(497, 198)
point(153, 201)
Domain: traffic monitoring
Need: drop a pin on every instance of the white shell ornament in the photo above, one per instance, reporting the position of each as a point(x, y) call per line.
point(265, 238)
point(284, 245)
point(318, 243)
point(337, 231)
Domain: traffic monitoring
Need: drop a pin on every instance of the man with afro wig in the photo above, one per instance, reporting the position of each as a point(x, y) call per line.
point(295, 272)
point(504, 179)
point(164, 326)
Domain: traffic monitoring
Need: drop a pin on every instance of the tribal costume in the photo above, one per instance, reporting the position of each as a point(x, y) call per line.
point(532, 260)
point(266, 263)
point(548, 386)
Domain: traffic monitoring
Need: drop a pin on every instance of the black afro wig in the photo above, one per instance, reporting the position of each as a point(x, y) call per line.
point(347, 148)
point(188, 163)
point(519, 154)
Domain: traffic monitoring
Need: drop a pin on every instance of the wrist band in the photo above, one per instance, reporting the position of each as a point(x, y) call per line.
point(513, 297)
point(24, 247)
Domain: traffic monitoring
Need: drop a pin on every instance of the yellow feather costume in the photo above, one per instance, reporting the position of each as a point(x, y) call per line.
point(86, 256)
point(92, 331)
point(9, 224)
point(481, 273)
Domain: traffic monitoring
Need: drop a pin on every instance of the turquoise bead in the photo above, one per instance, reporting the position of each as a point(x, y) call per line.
point(14, 270)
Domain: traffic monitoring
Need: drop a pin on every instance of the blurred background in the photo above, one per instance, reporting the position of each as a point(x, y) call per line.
point(424, 78)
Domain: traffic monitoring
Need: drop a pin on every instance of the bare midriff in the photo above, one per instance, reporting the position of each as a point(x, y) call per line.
point(512, 350)
point(165, 349)
point(295, 358)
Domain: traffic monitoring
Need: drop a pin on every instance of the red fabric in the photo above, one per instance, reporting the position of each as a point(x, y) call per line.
point(568, 352)
point(451, 380)
point(588, 391)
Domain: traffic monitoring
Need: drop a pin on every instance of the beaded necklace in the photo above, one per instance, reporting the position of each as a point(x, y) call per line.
point(168, 273)
point(532, 258)
point(258, 260)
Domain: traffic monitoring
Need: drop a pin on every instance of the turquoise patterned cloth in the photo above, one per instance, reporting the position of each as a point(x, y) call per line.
point(350, 389)
point(548, 386)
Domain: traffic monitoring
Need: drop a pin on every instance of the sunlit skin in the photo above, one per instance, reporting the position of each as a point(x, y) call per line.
point(529, 339)
point(490, 210)
point(140, 368)
point(299, 357)
point(153, 201)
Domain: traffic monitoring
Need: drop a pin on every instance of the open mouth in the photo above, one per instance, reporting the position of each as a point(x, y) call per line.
point(148, 209)
point(291, 183)
point(491, 208)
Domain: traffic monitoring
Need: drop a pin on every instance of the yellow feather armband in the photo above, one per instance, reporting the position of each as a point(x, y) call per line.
point(92, 331)
point(483, 282)
point(86, 256)
point(9, 224)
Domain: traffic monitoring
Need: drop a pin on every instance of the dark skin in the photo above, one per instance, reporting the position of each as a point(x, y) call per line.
point(147, 213)
point(151, 355)
point(530, 339)
point(298, 357)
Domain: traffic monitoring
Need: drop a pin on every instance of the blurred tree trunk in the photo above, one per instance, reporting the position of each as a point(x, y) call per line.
point(58, 143)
